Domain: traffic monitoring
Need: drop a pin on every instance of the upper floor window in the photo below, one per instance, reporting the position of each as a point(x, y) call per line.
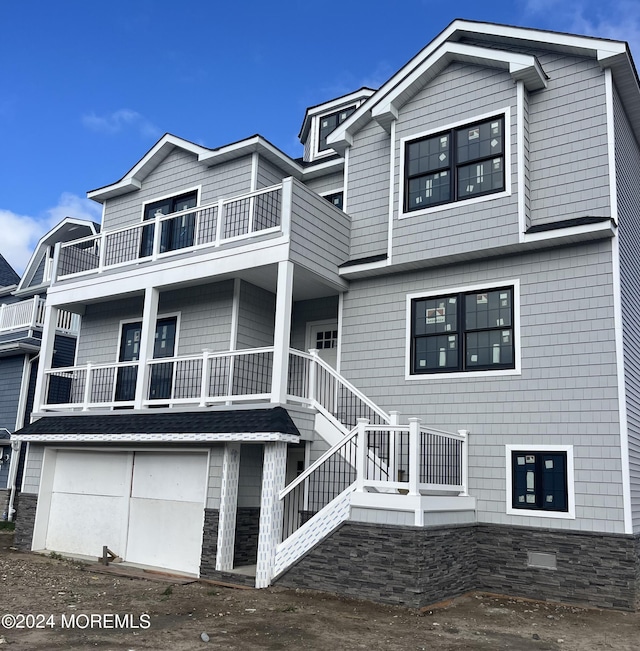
point(328, 123)
point(466, 331)
point(453, 165)
point(336, 198)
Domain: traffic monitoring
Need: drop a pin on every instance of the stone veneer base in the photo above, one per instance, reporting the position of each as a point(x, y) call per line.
point(416, 567)
point(25, 506)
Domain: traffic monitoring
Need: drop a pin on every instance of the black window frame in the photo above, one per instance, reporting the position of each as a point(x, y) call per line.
point(324, 132)
point(454, 165)
point(544, 491)
point(461, 331)
point(335, 198)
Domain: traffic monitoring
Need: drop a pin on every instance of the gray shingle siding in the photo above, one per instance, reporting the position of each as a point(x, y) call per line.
point(568, 141)
point(268, 174)
point(177, 173)
point(627, 166)
point(320, 309)
point(566, 393)
point(328, 183)
point(11, 378)
point(256, 317)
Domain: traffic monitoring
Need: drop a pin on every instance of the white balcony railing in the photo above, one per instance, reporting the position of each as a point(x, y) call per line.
point(210, 225)
point(27, 315)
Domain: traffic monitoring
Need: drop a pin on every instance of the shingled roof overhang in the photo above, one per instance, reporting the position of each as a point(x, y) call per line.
point(247, 425)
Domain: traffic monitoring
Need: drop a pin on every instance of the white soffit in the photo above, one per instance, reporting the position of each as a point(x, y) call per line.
point(523, 67)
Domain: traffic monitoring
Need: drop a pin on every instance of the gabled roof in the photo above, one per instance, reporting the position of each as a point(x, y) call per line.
point(332, 105)
point(491, 45)
point(66, 230)
point(8, 276)
point(133, 179)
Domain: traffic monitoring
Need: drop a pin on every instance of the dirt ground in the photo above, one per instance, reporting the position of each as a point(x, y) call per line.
point(47, 603)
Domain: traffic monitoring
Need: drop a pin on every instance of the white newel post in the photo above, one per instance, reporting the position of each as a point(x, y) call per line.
point(465, 461)
point(313, 365)
point(282, 333)
point(46, 355)
point(414, 456)
point(147, 342)
point(361, 454)
point(205, 378)
point(87, 388)
point(273, 479)
point(228, 507)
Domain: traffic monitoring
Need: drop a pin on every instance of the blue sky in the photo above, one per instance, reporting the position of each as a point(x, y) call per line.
point(86, 88)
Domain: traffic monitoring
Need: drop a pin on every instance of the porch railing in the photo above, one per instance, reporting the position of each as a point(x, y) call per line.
point(314, 382)
point(405, 459)
point(166, 235)
point(228, 377)
point(30, 314)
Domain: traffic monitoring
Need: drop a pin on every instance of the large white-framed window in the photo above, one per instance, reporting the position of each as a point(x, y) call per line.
point(327, 123)
point(456, 164)
point(540, 481)
point(465, 331)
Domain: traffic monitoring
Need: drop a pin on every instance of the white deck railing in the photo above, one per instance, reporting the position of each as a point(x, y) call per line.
point(211, 225)
point(29, 314)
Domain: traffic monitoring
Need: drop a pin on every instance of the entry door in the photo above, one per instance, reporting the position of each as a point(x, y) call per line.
point(161, 379)
point(129, 352)
point(161, 374)
point(324, 337)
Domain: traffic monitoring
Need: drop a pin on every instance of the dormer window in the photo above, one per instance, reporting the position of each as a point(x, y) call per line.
point(329, 123)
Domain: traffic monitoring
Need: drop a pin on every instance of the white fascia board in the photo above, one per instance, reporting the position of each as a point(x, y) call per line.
point(245, 147)
point(323, 168)
point(133, 179)
point(172, 272)
point(248, 437)
point(521, 67)
point(455, 32)
point(360, 94)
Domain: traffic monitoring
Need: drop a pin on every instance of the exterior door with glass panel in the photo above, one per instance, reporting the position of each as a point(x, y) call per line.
point(129, 352)
point(323, 336)
point(161, 374)
point(176, 233)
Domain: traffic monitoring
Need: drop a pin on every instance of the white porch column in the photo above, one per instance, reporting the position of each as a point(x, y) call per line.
point(273, 478)
point(147, 341)
point(228, 507)
point(46, 354)
point(282, 333)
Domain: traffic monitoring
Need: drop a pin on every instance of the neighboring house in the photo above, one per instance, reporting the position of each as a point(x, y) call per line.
point(458, 246)
point(21, 322)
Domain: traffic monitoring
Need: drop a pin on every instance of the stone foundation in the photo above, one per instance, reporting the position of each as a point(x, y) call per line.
point(245, 551)
point(25, 518)
point(209, 542)
point(5, 495)
point(417, 567)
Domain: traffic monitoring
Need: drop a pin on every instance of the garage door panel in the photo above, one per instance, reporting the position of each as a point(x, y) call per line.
point(82, 524)
point(92, 473)
point(166, 533)
point(176, 476)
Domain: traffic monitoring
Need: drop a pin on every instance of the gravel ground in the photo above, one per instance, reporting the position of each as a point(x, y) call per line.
point(161, 615)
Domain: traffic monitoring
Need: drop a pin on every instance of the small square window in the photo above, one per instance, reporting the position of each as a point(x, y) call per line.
point(539, 481)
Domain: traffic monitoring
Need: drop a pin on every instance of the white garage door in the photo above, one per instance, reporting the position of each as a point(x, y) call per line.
point(89, 502)
point(148, 507)
point(167, 510)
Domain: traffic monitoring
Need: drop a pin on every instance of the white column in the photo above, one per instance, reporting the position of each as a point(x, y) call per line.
point(414, 456)
point(282, 334)
point(362, 454)
point(273, 478)
point(46, 354)
point(147, 341)
point(465, 461)
point(228, 507)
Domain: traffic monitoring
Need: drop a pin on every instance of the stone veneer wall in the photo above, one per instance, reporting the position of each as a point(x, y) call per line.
point(245, 551)
point(5, 494)
point(209, 542)
point(400, 565)
point(25, 506)
point(417, 567)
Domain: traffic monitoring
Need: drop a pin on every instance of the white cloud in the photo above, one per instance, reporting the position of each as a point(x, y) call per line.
point(618, 20)
point(20, 233)
point(119, 121)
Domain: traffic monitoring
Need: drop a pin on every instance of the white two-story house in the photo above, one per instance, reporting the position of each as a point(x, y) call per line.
point(402, 367)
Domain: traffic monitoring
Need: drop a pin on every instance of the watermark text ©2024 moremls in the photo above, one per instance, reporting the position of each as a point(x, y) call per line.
point(20, 621)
